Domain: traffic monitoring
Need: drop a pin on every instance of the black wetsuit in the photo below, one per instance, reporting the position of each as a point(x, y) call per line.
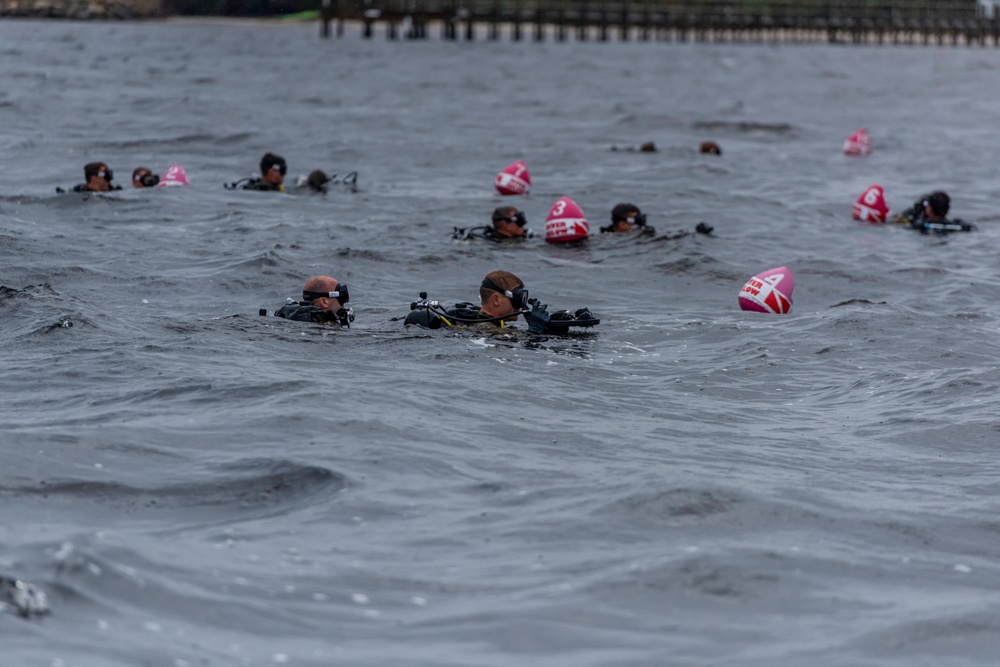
point(486, 232)
point(303, 311)
point(466, 314)
point(82, 187)
point(644, 230)
point(260, 185)
point(916, 218)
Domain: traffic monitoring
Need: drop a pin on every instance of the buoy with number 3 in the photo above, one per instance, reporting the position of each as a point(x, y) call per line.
point(174, 176)
point(769, 292)
point(858, 143)
point(871, 206)
point(514, 179)
point(566, 222)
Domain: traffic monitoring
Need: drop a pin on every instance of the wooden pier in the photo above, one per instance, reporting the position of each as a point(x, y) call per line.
point(927, 22)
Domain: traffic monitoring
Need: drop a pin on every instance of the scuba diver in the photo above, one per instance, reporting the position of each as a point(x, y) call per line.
point(626, 217)
point(98, 176)
point(508, 224)
point(929, 214)
point(143, 177)
point(272, 176)
point(317, 182)
point(323, 300)
point(503, 299)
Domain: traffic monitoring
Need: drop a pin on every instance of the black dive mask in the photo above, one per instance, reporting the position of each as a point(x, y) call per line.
point(518, 219)
point(638, 219)
point(280, 166)
point(148, 180)
point(340, 294)
point(106, 174)
point(518, 297)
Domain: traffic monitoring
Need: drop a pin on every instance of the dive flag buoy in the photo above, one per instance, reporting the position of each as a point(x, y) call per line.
point(174, 176)
point(871, 206)
point(769, 292)
point(566, 222)
point(858, 143)
point(514, 179)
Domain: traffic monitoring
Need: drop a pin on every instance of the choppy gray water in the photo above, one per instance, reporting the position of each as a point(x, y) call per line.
point(191, 484)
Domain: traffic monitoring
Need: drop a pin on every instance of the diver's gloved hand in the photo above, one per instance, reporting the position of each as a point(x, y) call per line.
point(703, 228)
point(538, 318)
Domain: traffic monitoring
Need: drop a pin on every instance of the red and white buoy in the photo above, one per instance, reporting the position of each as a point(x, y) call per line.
point(858, 143)
point(769, 292)
point(514, 179)
point(871, 206)
point(174, 176)
point(566, 222)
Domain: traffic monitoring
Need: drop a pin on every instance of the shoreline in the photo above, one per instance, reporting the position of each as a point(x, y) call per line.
point(393, 29)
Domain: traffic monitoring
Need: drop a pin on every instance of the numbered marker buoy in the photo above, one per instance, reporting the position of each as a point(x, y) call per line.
point(514, 179)
point(174, 176)
point(769, 292)
point(566, 222)
point(858, 143)
point(871, 206)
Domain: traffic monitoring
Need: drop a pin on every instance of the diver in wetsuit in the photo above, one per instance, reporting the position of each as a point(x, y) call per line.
point(143, 177)
point(503, 299)
point(98, 177)
point(323, 300)
point(272, 176)
point(626, 217)
point(929, 214)
point(508, 224)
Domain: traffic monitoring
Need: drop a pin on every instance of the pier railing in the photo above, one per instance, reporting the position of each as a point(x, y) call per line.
point(954, 22)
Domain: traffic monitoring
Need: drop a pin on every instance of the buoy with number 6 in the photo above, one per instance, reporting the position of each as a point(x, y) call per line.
point(566, 222)
point(514, 179)
point(769, 292)
point(871, 206)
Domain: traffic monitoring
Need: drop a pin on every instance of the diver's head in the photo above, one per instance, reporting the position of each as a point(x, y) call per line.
point(936, 205)
point(143, 177)
point(625, 217)
point(326, 293)
point(710, 148)
point(503, 293)
point(98, 176)
point(509, 222)
point(317, 180)
point(273, 169)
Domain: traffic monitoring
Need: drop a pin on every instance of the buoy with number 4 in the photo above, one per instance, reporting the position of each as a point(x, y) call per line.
point(871, 206)
point(769, 292)
point(174, 176)
point(858, 143)
point(514, 179)
point(566, 222)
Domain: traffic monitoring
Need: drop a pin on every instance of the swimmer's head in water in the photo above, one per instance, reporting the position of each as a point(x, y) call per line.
point(317, 180)
point(939, 202)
